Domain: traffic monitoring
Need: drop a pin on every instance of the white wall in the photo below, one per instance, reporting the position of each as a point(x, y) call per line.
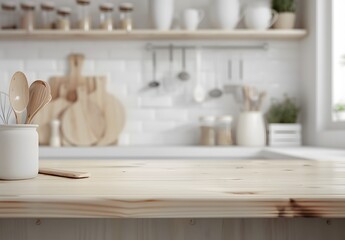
point(160, 117)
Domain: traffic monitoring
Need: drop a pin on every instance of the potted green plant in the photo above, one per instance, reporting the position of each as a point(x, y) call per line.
point(282, 123)
point(339, 110)
point(286, 13)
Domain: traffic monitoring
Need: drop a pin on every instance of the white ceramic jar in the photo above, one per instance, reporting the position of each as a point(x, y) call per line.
point(19, 151)
point(162, 14)
point(251, 129)
point(225, 13)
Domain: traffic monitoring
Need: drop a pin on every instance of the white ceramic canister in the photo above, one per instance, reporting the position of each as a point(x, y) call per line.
point(162, 14)
point(18, 151)
point(251, 129)
point(225, 13)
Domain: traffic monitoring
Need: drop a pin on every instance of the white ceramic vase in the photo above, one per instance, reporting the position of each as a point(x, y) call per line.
point(225, 13)
point(19, 151)
point(251, 129)
point(162, 14)
point(286, 20)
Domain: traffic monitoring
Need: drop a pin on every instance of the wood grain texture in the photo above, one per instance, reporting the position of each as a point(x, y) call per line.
point(83, 123)
point(114, 112)
point(148, 34)
point(178, 188)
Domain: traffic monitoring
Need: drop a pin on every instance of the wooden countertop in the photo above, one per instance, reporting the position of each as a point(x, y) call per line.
point(181, 188)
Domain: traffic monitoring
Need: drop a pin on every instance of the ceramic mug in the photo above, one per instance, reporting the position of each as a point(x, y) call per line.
point(260, 17)
point(19, 151)
point(192, 18)
point(162, 13)
point(251, 130)
point(225, 13)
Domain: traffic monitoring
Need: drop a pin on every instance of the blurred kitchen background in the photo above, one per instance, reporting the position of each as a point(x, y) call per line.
point(167, 115)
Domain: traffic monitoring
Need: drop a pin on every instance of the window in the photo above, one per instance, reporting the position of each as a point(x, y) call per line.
point(338, 61)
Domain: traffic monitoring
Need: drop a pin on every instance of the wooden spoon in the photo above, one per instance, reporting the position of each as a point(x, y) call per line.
point(19, 95)
point(39, 97)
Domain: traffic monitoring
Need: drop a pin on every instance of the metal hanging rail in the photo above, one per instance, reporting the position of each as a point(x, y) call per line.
point(263, 46)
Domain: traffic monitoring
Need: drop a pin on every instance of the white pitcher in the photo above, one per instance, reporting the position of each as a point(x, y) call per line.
point(251, 129)
point(162, 13)
point(259, 16)
point(225, 13)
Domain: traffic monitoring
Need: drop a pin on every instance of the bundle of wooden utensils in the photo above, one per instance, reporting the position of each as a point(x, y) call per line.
point(253, 98)
point(88, 114)
point(24, 99)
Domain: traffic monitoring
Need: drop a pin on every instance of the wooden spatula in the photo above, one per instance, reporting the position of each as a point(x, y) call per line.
point(63, 173)
point(39, 96)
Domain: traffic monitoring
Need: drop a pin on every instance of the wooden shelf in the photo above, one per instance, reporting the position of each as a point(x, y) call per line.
point(295, 34)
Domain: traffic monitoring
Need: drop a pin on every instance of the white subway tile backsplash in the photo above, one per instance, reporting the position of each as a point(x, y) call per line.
point(141, 114)
point(133, 66)
point(168, 115)
point(171, 115)
point(10, 65)
point(133, 127)
point(109, 66)
point(156, 126)
point(40, 65)
point(158, 102)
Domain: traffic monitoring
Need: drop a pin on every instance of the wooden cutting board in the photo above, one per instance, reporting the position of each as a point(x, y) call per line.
point(113, 109)
point(83, 123)
point(52, 111)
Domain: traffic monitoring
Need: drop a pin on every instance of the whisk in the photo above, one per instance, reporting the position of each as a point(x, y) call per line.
point(5, 108)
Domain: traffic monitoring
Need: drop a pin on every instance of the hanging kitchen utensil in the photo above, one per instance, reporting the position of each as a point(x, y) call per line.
point(154, 83)
point(183, 75)
point(199, 92)
point(19, 95)
point(169, 81)
point(216, 92)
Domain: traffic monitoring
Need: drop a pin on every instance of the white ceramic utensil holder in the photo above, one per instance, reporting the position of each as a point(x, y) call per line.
point(19, 151)
point(251, 129)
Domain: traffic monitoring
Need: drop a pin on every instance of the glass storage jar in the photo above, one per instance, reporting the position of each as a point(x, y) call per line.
point(63, 21)
point(47, 15)
point(126, 21)
point(28, 15)
point(8, 19)
point(224, 134)
point(207, 131)
point(106, 16)
point(84, 17)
